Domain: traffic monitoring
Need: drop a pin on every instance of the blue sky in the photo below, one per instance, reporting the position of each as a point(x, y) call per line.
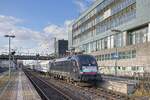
point(36, 22)
point(39, 13)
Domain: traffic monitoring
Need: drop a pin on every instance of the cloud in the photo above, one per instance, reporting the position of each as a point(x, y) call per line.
point(9, 25)
point(9, 20)
point(57, 31)
point(35, 41)
point(60, 32)
point(25, 37)
point(83, 4)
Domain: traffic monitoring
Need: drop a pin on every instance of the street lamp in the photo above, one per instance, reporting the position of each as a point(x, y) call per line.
point(9, 37)
point(13, 58)
point(116, 54)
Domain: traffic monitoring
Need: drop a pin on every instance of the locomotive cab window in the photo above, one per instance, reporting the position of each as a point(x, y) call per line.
point(87, 60)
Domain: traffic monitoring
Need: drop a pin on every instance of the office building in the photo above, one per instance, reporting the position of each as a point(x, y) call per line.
point(117, 33)
point(61, 47)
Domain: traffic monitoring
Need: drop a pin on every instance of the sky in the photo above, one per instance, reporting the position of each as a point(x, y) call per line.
point(35, 23)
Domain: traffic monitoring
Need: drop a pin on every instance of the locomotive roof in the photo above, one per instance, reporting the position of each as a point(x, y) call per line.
point(68, 57)
point(44, 62)
point(62, 59)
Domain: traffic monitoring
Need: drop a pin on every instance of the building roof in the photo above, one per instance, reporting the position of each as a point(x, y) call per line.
point(96, 3)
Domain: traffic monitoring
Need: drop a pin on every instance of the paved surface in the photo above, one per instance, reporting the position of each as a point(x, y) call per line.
point(20, 88)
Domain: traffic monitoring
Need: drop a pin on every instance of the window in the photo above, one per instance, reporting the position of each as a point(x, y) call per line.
point(133, 68)
point(113, 56)
point(121, 55)
point(98, 45)
point(118, 40)
point(106, 57)
point(103, 57)
point(105, 43)
point(125, 55)
point(109, 42)
point(138, 36)
point(122, 11)
point(133, 53)
point(96, 58)
point(128, 54)
point(99, 57)
point(112, 41)
point(102, 44)
point(86, 47)
point(123, 68)
point(130, 38)
point(93, 46)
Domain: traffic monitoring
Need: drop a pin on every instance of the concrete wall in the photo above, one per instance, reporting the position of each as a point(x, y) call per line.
point(142, 59)
point(120, 86)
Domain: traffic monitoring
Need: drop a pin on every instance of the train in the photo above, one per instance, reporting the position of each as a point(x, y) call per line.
point(76, 68)
point(41, 66)
point(80, 67)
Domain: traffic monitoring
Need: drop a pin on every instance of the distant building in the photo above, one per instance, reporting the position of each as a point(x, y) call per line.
point(61, 47)
point(126, 51)
point(70, 36)
point(5, 63)
point(20, 64)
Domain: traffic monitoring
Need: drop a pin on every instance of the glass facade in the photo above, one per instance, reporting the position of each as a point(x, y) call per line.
point(115, 20)
point(121, 55)
point(108, 14)
point(93, 33)
point(118, 40)
point(109, 42)
point(138, 36)
point(104, 17)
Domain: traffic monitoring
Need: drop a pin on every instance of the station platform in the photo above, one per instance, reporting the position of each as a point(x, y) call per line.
point(19, 88)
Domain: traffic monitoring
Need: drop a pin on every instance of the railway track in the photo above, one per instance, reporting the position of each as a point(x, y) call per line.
point(85, 93)
point(46, 90)
point(97, 93)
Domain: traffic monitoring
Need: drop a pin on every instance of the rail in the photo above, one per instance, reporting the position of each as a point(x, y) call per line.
point(41, 85)
point(87, 93)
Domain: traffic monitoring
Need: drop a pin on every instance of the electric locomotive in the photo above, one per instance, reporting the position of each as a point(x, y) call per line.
point(81, 68)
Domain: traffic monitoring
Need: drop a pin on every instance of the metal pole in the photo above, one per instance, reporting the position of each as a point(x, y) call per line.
point(55, 44)
point(14, 66)
point(9, 36)
point(116, 31)
point(116, 62)
point(9, 58)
